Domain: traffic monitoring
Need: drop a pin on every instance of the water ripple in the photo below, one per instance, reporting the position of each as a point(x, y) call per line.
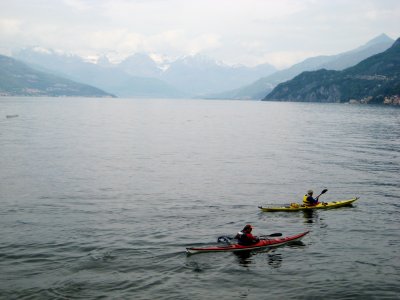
point(101, 198)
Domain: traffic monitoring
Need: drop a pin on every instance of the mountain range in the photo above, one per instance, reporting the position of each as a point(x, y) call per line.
point(370, 81)
point(264, 85)
point(140, 76)
point(18, 79)
point(187, 77)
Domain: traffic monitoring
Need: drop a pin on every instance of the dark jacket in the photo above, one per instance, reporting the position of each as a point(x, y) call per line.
point(246, 238)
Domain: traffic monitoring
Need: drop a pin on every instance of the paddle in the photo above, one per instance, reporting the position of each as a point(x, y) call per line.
point(323, 192)
point(227, 239)
point(271, 235)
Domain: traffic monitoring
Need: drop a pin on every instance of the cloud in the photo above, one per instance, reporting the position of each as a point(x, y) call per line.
point(235, 31)
point(178, 42)
point(78, 4)
point(10, 27)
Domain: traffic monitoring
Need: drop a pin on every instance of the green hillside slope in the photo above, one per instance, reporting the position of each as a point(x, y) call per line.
point(371, 81)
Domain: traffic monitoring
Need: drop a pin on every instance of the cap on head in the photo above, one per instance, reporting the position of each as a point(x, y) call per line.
point(310, 192)
point(247, 227)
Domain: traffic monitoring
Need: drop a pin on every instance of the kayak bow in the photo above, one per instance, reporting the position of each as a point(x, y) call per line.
point(321, 205)
point(275, 242)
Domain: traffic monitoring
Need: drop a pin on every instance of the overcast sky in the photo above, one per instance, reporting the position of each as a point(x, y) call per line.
point(279, 32)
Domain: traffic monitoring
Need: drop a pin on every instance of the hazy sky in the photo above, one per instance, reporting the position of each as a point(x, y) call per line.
point(280, 32)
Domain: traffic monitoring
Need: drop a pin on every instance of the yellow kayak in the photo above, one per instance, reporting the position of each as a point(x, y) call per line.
point(321, 205)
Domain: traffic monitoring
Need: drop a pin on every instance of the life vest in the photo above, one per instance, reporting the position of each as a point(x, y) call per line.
point(306, 200)
point(245, 238)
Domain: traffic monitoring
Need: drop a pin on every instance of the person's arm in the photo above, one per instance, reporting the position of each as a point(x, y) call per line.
point(238, 235)
point(253, 238)
point(311, 200)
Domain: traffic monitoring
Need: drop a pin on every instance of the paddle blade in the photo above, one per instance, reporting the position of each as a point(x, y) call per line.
point(276, 234)
point(224, 239)
point(271, 235)
point(324, 191)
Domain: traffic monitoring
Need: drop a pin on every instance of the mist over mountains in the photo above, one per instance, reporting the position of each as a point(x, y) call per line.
point(19, 79)
point(140, 76)
point(261, 87)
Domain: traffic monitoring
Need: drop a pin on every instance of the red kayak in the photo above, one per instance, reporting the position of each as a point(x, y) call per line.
point(274, 242)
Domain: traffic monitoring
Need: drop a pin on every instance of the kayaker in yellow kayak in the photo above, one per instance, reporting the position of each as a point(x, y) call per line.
point(308, 199)
point(245, 237)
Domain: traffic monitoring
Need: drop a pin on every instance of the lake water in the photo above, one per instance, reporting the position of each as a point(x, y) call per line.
point(100, 198)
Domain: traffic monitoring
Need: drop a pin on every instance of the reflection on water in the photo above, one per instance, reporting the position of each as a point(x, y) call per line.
point(274, 259)
point(244, 258)
point(310, 216)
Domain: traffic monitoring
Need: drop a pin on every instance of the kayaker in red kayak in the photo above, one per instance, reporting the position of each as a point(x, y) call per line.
point(245, 237)
point(309, 200)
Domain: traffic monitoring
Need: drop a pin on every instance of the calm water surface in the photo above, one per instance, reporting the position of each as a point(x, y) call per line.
point(99, 198)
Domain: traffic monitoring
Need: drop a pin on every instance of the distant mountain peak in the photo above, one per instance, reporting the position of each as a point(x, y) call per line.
point(198, 60)
point(382, 38)
point(102, 60)
point(42, 50)
point(373, 80)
